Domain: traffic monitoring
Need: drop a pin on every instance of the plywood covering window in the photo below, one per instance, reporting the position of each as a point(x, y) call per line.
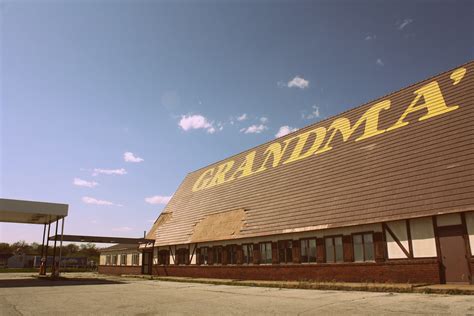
point(363, 247)
point(232, 254)
point(114, 260)
point(135, 259)
point(108, 260)
point(204, 255)
point(334, 249)
point(285, 251)
point(308, 250)
point(266, 252)
point(247, 254)
point(123, 259)
point(217, 255)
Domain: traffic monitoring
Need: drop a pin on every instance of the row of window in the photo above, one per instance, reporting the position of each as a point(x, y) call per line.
point(363, 250)
point(113, 259)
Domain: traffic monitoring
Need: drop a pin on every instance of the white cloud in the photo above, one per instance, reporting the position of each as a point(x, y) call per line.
point(130, 157)
point(243, 117)
point(264, 119)
point(314, 113)
point(379, 62)
point(119, 172)
point(84, 183)
point(404, 23)
point(254, 129)
point(158, 199)
point(189, 122)
point(370, 37)
point(94, 201)
point(298, 82)
point(285, 130)
point(122, 229)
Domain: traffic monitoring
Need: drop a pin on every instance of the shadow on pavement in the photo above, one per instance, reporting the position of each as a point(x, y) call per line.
point(59, 282)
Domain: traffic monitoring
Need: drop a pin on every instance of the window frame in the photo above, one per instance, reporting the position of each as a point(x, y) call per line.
point(122, 257)
point(250, 253)
point(108, 260)
point(363, 246)
point(215, 256)
point(271, 250)
point(201, 256)
point(286, 242)
point(333, 237)
point(114, 259)
point(315, 250)
point(229, 252)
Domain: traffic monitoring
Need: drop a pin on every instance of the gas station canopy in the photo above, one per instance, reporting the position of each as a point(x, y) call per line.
point(31, 212)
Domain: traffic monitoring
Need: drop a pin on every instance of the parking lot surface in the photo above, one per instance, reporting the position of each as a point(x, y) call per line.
point(87, 294)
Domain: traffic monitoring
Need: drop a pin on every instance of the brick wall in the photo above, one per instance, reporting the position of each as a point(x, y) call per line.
point(118, 270)
point(400, 271)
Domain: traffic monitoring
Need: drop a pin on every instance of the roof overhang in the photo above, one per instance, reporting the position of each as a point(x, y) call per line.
point(31, 212)
point(102, 239)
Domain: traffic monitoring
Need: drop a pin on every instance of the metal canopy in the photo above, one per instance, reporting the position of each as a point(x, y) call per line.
point(102, 239)
point(31, 212)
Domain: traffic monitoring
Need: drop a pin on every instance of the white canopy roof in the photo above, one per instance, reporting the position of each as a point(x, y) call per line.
point(31, 212)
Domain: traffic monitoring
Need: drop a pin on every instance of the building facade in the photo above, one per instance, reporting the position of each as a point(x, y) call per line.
point(383, 192)
point(124, 257)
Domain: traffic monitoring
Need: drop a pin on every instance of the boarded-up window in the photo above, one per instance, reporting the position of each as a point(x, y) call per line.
point(285, 251)
point(266, 252)
point(114, 260)
point(363, 247)
point(308, 250)
point(164, 257)
point(247, 253)
point(182, 256)
point(108, 260)
point(334, 249)
point(217, 255)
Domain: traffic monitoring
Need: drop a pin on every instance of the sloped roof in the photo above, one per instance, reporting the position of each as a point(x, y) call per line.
point(420, 169)
point(120, 247)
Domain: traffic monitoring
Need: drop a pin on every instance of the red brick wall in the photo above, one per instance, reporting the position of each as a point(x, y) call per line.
point(118, 270)
point(400, 271)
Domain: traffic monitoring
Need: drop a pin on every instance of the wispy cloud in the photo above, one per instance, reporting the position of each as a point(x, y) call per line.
point(243, 117)
point(264, 119)
point(122, 229)
point(84, 183)
point(254, 129)
point(404, 23)
point(298, 82)
point(94, 201)
point(285, 130)
point(370, 37)
point(313, 114)
point(158, 199)
point(379, 62)
point(118, 172)
point(130, 157)
point(197, 121)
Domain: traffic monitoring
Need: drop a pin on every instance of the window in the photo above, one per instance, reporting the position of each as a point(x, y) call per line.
point(266, 252)
point(232, 254)
point(363, 247)
point(285, 251)
point(182, 256)
point(123, 259)
point(108, 260)
point(135, 259)
point(334, 250)
point(204, 256)
point(164, 257)
point(217, 255)
point(114, 260)
point(247, 253)
point(308, 250)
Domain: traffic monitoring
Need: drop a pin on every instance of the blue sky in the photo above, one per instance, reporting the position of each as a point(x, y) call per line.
point(179, 85)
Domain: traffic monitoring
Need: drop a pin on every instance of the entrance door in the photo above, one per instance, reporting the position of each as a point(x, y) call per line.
point(146, 262)
point(454, 254)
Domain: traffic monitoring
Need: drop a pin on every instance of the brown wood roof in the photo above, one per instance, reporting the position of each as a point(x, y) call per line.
point(421, 169)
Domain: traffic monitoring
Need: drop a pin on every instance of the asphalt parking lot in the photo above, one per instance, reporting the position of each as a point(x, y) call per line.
point(86, 294)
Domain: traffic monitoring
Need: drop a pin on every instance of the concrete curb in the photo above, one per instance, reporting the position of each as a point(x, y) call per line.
point(369, 287)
